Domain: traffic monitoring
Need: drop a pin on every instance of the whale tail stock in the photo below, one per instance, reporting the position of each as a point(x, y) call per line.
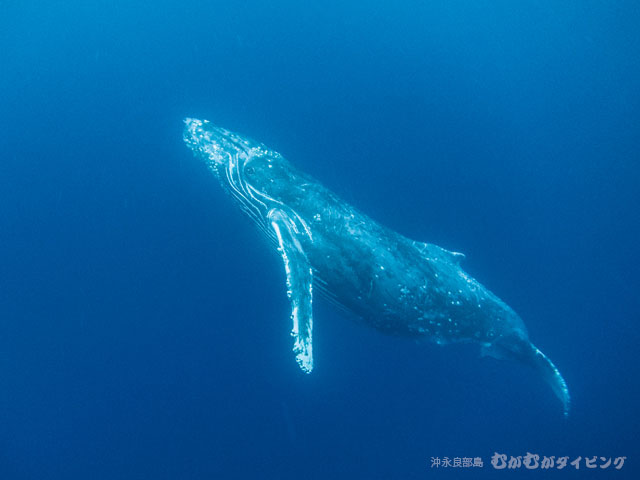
point(522, 350)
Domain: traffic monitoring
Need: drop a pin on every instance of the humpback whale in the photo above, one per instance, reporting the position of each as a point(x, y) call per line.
point(394, 284)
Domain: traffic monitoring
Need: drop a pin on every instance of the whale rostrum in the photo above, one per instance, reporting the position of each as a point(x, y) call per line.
point(387, 281)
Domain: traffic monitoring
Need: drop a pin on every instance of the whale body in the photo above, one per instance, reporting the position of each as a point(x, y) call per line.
point(394, 284)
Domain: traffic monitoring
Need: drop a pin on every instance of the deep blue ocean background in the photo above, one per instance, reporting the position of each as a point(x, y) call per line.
point(144, 325)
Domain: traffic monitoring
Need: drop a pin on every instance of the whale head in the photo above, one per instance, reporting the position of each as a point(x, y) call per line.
point(259, 178)
point(221, 147)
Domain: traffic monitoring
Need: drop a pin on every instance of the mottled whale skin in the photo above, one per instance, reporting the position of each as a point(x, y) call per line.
point(394, 284)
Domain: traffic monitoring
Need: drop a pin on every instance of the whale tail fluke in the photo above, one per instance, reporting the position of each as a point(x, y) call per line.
point(527, 353)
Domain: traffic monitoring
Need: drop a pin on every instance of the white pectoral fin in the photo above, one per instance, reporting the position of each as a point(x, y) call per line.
point(299, 286)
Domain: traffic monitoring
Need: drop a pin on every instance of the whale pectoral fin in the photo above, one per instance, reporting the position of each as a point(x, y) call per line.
point(299, 286)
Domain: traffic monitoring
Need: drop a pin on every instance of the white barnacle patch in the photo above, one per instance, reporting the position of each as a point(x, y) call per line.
point(404, 294)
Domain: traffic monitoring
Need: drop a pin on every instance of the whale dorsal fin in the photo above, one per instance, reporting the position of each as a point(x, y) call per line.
point(428, 250)
point(456, 256)
point(299, 285)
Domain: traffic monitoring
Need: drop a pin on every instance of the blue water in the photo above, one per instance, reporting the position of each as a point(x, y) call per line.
point(144, 323)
